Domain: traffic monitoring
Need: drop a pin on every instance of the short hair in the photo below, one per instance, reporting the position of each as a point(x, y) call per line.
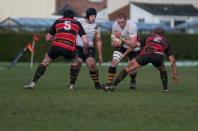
point(121, 16)
point(159, 31)
point(68, 14)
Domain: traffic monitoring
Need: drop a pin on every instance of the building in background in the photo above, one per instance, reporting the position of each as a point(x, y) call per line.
point(146, 13)
point(114, 5)
point(37, 15)
point(169, 14)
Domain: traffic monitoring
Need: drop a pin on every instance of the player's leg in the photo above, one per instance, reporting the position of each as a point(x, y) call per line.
point(132, 65)
point(93, 71)
point(74, 71)
point(49, 57)
point(77, 58)
point(133, 80)
point(157, 61)
point(117, 56)
point(133, 74)
point(163, 77)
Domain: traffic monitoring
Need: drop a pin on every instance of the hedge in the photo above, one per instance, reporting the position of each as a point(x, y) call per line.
point(184, 46)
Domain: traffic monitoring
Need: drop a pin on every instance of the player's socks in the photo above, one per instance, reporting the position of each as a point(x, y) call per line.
point(164, 79)
point(95, 77)
point(133, 75)
point(74, 71)
point(39, 72)
point(119, 77)
point(133, 80)
point(111, 74)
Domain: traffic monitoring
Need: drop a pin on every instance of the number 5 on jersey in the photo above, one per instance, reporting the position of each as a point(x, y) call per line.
point(67, 25)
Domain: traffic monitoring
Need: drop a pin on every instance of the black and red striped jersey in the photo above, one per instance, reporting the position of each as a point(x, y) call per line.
point(155, 44)
point(65, 31)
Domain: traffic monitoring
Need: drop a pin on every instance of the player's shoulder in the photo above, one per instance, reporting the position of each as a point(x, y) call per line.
point(96, 24)
point(81, 20)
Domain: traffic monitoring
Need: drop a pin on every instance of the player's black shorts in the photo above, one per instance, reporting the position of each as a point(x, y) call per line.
point(56, 51)
point(155, 59)
point(91, 53)
point(131, 55)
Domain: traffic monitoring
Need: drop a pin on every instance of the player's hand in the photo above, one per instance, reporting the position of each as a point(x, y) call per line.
point(175, 78)
point(115, 41)
point(118, 34)
point(116, 44)
point(100, 59)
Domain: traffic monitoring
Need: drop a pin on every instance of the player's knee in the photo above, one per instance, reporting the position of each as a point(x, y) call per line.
point(91, 63)
point(132, 66)
point(114, 62)
point(46, 61)
point(75, 65)
point(133, 73)
point(117, 56)
point(79, 61)
point(161, 68)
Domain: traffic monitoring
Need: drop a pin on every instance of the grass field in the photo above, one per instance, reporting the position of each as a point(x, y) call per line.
point(52, 107)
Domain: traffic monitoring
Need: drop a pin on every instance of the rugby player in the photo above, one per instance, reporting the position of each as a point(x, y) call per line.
point(63, 35)
point(92, 30)
point(155, 46)
point(125, 28)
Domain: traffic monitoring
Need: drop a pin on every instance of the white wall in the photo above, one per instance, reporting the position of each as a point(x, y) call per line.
point(27, 8)
point(137, 13)
point(194, 2)
point(102, 14)
point(113, 5)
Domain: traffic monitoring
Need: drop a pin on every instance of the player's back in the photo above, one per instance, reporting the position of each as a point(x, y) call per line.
point(65, 31)
point(155, 44)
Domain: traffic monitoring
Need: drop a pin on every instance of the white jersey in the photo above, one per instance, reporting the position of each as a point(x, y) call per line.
point(90, 30)
point(128, 31)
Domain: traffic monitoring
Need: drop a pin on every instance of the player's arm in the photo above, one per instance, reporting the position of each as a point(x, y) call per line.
point(51, 33)
point(172, 60)
point(99, 46)
point(115, 41)
point(84, 38)
point(50, 37)
point(85, 43)
point(173, 66)
point(131, 41)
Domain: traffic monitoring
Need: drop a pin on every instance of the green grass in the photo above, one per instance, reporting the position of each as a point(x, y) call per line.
point(52, 107)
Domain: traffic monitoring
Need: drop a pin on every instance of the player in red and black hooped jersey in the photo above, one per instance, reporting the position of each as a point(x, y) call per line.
point(155, 46)
point(63, 35)
point(65, 31)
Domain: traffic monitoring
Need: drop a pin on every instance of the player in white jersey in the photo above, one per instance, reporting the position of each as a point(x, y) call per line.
point(125, 28)
point(92, 30)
